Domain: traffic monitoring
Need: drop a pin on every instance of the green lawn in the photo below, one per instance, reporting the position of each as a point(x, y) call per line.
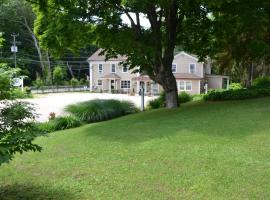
point(215, 150)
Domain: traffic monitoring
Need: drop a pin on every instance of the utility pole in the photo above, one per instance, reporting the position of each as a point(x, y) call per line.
point(14, 48)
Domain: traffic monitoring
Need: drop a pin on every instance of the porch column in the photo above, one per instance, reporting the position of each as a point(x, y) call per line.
point(228, 83)
point(138, 87)
point(110, 86)
point(91, 77)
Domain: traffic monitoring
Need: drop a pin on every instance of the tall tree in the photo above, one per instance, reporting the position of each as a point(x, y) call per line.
point(73, 23)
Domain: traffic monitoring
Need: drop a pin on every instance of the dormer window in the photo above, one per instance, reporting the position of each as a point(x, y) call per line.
point(192, 68)
point(100, 68)
point(113, 68)
point(125, 69)
point(174, 68)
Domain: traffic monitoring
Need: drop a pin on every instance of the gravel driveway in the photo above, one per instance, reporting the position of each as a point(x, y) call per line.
point(56, 103)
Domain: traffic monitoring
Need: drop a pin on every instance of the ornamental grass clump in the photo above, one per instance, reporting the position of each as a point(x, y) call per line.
point(101, 110)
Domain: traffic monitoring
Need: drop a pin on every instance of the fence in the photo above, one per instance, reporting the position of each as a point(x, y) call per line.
point(58, 89)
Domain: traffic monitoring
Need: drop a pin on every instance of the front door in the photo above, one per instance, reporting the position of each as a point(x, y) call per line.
point(112, 85)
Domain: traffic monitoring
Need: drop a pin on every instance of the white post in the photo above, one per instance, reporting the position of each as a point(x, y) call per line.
point(138, 87)
point(91, 76)
point(228, 83)
point(142, 97)
point(22, 83)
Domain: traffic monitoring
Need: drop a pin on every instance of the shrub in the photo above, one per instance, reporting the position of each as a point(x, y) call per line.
point(184, 97)
point(101, 110)
point(60, 123)
point(58, 75)
point(39, 83)
point(18, 129)
point(235, 86)
point(17, 93)
point(74, 82)
point(216, 95)
point(262, 82)
point(160, 102)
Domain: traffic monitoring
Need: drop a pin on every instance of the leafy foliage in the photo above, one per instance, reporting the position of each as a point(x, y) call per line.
point(262, 82)
point(58, 75)
point(101, 110)
point(235, 86)
point(74, 82)
point(160, 102)
point(17, 129)
point(223, 95)
point(17, 93)
point(60, 123)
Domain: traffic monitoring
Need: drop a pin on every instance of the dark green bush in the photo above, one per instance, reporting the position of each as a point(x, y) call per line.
point(261, 82)
point(184, 97)
point(101, 110)
point(60, 123)
point(17, 93)
point(17, 129)
point(219, 95)
point(160, 102)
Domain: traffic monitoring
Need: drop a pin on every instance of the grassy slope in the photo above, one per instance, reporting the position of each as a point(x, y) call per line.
point(200, 151)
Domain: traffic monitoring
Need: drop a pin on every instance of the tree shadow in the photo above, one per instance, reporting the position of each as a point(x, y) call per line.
point(30, 192)
point(232, 120)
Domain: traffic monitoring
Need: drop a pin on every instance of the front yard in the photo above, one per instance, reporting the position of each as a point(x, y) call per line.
point(201, 151)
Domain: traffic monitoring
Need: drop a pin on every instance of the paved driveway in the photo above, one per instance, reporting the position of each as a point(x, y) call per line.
point(57, 102)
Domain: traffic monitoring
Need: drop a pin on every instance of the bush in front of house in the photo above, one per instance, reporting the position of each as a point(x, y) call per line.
point(101, 110)
point(59, 123)
point(160, 102)
point(17, 93)
point(261, 82)
point(184, 97)
point(224, 95)
point(235, 86)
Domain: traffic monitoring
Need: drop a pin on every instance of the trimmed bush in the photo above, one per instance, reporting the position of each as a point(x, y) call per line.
point(101, 110)
point(60, 123)
point(235, 86)
point(262, 82)
point(184, 97)
point(160, 102)
point(17, 93)
point(219, 95)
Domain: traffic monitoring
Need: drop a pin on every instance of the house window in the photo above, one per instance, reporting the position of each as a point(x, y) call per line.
point(125, 84)
point(174, 68)
point(125, 69)
point(99, 82)
point(188, 85)
point(182, 85)
point(185, 85)
point(100, 68)
point(192, 68)
point(113, 68)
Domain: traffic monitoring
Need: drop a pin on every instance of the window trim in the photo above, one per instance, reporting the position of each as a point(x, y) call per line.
point(195, 68)
point(114, 68)
point(176, 67)
point(101, 82)
point(126, 81)
point(185, 86)
point(100, 72)
point(123, 70)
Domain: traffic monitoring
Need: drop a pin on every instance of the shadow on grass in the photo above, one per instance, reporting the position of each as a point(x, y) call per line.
point(232, 120)
point(30, 192)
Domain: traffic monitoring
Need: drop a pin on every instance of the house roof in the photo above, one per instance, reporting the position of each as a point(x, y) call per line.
point(111, 76)
point(141, 78)
point(186, 76)
point(97, 57)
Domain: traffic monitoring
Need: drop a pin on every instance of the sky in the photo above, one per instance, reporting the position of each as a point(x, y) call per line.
point(144, 21)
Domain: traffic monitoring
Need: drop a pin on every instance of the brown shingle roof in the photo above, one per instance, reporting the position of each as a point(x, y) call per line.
point(186, 76)
point(111, 76)
point(97, 57)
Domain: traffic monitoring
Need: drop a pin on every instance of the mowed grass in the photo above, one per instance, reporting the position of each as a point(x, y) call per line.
point(210, 150)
